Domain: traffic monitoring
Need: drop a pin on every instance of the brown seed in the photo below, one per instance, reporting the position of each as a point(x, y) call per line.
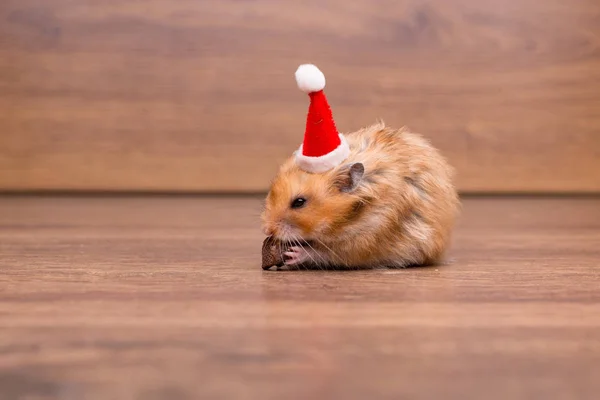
point(272, 253)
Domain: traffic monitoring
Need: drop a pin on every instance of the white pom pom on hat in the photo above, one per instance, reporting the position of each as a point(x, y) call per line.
point(309, 78)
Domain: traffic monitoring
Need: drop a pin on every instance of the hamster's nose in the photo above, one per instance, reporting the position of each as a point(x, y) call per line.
point(268, 230)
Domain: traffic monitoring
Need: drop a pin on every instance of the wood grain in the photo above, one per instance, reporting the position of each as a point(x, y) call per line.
point(199, 95)
point(164, 298)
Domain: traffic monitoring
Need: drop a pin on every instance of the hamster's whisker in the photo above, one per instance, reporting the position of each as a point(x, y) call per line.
point(294, 241)
point(297, 241)
point(321, 261)
point(308, 244)
point(281, 256)
point(316, 254)
point(329, 248)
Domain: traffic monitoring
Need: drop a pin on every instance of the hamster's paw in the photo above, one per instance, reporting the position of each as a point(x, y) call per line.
point(297, 255)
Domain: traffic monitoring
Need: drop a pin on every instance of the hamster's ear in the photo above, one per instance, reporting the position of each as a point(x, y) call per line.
point(350, 177)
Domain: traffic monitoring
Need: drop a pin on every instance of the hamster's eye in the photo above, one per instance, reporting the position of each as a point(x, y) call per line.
point(298, 202)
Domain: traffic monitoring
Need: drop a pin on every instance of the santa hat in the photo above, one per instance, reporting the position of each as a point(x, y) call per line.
point(323, 147)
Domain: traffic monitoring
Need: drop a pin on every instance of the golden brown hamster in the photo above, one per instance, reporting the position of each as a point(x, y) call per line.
point(374, 198)
point(390, 203)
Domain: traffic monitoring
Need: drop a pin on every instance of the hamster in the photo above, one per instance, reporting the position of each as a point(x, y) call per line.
point(391, 203)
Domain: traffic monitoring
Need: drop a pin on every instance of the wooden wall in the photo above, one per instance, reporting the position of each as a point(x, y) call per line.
point(195, 95)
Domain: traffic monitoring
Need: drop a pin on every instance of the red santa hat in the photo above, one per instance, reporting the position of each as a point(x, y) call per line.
point(323, 147)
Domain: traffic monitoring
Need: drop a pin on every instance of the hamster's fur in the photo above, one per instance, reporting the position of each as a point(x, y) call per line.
point(392, 203)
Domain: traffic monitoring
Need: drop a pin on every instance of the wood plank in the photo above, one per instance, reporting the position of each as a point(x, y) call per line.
point(199, 95)
point(164, 298)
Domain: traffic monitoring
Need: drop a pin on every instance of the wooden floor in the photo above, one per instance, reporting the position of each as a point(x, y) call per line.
point(164, 298)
